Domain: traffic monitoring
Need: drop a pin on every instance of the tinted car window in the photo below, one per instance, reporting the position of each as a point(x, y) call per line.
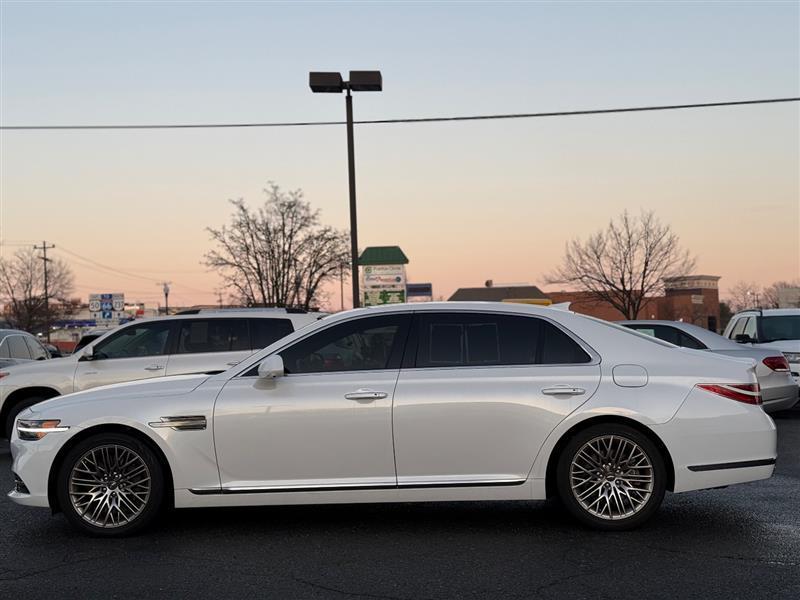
point(263, 332)
point(738, 328)
point(38, 352)
point(4, 353)
point(469, 339)
point(212, 335)
point(146, 339)
point(673, 335)
point(363, 344)
point(781, 327)
point(17, 347)
point(688, 341)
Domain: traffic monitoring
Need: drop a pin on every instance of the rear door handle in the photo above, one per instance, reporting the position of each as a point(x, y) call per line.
point(365, 395)
point(563, 390)
point(154, 368)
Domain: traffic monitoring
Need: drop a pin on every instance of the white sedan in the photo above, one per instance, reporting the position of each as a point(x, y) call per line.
point(421, 402)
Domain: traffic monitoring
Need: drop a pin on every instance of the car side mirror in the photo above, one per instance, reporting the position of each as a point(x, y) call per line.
point(271, 367)
point(743, 338)
point(88, 353)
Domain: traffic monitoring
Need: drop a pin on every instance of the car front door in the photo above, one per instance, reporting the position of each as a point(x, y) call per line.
point(327, 423)
point(136, 351)
point(481, 394)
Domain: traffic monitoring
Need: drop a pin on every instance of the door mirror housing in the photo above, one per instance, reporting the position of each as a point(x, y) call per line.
point(743, 338)
point(271, 367)
point(88, 353)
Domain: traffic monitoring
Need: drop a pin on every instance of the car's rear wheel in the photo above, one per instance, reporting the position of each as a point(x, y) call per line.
point(611, 477)
point(110, 484)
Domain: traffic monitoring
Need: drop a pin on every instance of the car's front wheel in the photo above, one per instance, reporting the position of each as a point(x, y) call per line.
point(110, 484)
point(611, 477)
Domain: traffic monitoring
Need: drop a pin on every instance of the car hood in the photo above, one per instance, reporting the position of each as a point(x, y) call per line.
point(121, 392)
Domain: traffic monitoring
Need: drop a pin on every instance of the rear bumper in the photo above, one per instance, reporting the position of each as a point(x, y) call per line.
point(781, 397)
point(715, 442)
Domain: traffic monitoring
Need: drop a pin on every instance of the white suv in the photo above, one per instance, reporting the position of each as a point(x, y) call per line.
point(775, 328)
point(203, 342)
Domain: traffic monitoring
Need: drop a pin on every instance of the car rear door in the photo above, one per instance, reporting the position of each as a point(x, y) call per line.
point(206, 345)
point(479, 394)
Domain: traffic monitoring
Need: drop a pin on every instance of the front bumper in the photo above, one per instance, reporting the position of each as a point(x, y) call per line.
point(32, 461)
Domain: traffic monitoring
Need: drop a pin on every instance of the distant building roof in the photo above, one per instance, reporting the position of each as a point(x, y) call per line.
point(498, 293)
point(382, 255)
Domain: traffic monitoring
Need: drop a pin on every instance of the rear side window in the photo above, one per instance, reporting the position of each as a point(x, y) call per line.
point(264, 332)
point(17, 347)
point(213, 335)
point(4, 348)
point(38, 352)
point(472, 340)
point(669, 334)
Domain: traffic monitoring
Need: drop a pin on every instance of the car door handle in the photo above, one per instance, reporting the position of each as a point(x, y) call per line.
point(154, 368)
point(365, 395)
point(563, 390)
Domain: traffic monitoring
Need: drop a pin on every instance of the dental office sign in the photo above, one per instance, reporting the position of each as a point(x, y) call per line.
point(383, 284)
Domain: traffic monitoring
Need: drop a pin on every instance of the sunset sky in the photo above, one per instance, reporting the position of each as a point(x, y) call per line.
point(466, 201)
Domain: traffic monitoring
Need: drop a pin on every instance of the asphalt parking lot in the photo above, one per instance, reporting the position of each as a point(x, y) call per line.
point(738, 542)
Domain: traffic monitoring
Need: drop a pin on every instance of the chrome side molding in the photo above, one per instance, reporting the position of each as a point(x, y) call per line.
point(182, 423)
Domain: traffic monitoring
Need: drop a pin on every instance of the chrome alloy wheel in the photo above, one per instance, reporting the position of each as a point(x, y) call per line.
point(611, 477)
point(109, 486)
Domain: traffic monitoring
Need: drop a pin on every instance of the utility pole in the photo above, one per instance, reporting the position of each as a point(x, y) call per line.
point(219, 297)
point(341, 284)
point(165, 287)
point(44, 248)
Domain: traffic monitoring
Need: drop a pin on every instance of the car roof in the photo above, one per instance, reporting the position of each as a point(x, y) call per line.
point(7, 332)
point(712, 340)
point(769, 312)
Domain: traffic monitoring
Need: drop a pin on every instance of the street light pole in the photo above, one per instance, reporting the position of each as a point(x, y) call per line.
point(332, 83)
point(351, 174)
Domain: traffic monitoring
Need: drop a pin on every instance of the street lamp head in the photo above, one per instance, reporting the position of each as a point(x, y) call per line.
point(325, 82)
point(366, 81)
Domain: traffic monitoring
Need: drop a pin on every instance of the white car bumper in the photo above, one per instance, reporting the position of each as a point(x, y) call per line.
point(716, 442)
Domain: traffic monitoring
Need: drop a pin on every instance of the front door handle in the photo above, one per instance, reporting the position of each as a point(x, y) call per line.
point(365, 395)
point(563, 390)
point(154, 368)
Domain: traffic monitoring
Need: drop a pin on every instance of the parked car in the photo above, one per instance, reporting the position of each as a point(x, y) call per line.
point(89, 336)
point(53, 350)
point(409, 402)
point(772, 328)
point(148, 348)
point(20, 347)
point(779, 391)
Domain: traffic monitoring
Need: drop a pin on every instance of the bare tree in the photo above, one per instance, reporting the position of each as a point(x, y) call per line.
point(625, 263)
point(745, 294)
point(278, 254)
point(771, 294)
point(22, 289)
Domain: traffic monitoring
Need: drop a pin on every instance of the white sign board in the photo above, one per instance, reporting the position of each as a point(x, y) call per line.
point(383, 284)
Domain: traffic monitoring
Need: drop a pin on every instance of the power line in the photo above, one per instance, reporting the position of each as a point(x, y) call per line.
point(563, 113)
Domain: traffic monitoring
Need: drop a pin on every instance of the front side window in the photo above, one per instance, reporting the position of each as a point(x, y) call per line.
point(38, 352)
point(212, 335)
point(738, 327)
point(146, 339)
point(17, 347)
point(750, 328)
point(365, 344)
point(473, 340)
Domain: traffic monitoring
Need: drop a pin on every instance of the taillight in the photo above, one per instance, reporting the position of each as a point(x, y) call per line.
point(749, 393)
point(777, 363)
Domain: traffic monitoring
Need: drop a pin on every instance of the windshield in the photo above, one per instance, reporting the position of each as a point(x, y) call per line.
point(784, 327)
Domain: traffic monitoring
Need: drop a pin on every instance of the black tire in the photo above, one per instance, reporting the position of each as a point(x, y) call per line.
point(632, 508)
point(150, 505)
point(13, 411)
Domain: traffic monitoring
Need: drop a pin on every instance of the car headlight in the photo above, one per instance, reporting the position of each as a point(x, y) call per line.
point(28, 429)
point(792, 357)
